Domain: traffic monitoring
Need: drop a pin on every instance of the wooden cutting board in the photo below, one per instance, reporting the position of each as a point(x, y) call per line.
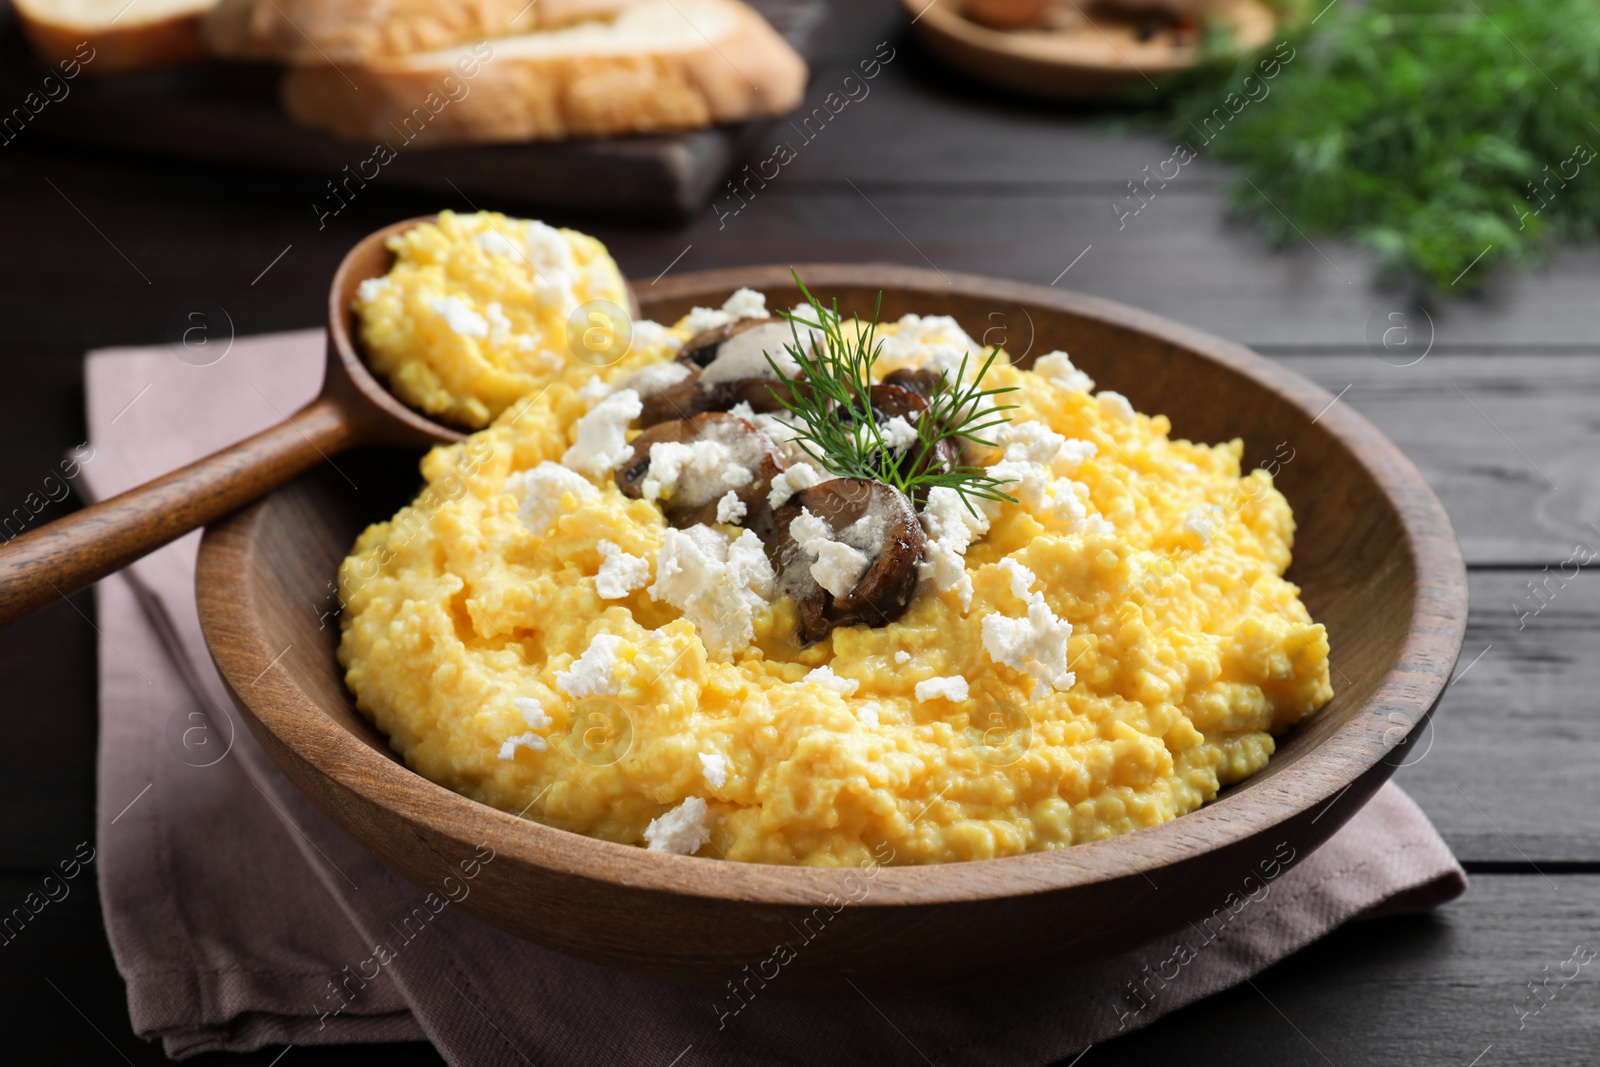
point(228, 113)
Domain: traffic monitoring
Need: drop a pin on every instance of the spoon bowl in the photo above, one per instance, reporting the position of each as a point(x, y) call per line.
point(354, 408)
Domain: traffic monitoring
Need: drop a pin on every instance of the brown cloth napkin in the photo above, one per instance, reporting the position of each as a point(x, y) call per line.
point(240, 917)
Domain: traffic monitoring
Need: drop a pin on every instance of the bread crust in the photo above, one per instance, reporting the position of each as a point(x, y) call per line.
point(352, 31)
point(133, 45)
point(527, 98)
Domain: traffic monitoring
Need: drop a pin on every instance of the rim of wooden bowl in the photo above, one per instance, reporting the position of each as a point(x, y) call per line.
point(1315, 779)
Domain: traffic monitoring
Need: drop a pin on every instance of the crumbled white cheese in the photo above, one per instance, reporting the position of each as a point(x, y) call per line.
point(1113, 405)
point(952, 688)
point(699, 320)
point(777, 426)
point(508, 750)
point(602, 435)
point(825, 677)
point(591, 674)
point(730, 509)
point(932, 342)
point(548, 490)
point(496, 243)
point(683, 830)
point(459, 316)
point(714, 766)
point(1021, 577)
point(798, 477)
point(593, 391)
point(554, 267)
point(868, 713)
point(655, 377)
point(746, 304)
point(951, 527)
point(902, 656)
point(649, 336)
point(1035, 442)
point(719, 596)
point(620, 573)
point(533, 712)
point(1035, 645)
point(371, 289)
point(1058, 368)
point(700, 468)
point(898, 434)
point(837, 567)
point(1054, 501)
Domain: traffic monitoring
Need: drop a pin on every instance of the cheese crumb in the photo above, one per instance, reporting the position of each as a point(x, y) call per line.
point(798, 477)
point(730, 509)
point(838, 567)
point(1202, 522)
point(372, 288)
point(952, 688)
point(1113, 405)
point(602, 435)
point(682, 831)
point(591, 675)
point(714, 766)
point(868, 713)
point(620, 573)
point(699, 320)
point(746, 304)
point(593, 391)
point(496, 243)
point(1035, 645)
point(902, 656)
point(548, 490)
point(691, 468)
point(1058, 368)
point(508, 751)
point(825, 677)
point(899, 434)
point(533, 712)
point(951, 528)
point(459, 316)
point(719, 596)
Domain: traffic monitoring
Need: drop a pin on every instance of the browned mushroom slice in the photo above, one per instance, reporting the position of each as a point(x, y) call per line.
point(891, 399)
point(694, 496)
point(922, 382)
point(871, 517)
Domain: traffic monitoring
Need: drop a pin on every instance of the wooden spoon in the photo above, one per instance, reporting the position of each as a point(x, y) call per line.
point(354, 408)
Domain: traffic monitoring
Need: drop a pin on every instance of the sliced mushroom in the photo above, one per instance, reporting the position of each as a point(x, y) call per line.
point(722, 367)
point(871, 517)
point(694, 501)
point(892, 399)
point(922, 382)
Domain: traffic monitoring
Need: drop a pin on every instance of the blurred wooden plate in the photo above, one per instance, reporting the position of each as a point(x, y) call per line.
point(1088, 62)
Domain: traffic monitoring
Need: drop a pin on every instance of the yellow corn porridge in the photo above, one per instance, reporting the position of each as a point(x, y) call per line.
point(473, 316)
point(1101, 654)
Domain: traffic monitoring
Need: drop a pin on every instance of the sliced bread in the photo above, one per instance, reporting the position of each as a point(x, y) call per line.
point(119, 35)
point(660, 65)
point(357, 31)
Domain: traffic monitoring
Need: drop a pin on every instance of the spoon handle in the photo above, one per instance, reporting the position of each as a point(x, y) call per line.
point(75, 551)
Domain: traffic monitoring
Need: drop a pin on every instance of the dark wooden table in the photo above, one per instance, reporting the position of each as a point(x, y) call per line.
point(928, 169)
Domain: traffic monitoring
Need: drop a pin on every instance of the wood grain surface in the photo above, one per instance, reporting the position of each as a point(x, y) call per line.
point(930, 149)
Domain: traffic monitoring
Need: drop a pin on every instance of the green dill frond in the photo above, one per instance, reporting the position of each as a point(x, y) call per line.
point(830, 403)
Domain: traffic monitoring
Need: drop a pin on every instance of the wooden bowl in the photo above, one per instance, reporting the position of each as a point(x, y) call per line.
point(1089, 62)
point(1375, 556)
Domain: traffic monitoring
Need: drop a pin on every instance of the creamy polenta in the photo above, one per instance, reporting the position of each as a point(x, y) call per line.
point(545, 632)
point(474, 314)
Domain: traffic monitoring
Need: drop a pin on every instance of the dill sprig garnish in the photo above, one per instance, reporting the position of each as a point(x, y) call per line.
point(835, 424)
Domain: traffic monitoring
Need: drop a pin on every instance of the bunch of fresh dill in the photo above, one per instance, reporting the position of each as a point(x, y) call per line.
point(1447, 135)
point(830, 408)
